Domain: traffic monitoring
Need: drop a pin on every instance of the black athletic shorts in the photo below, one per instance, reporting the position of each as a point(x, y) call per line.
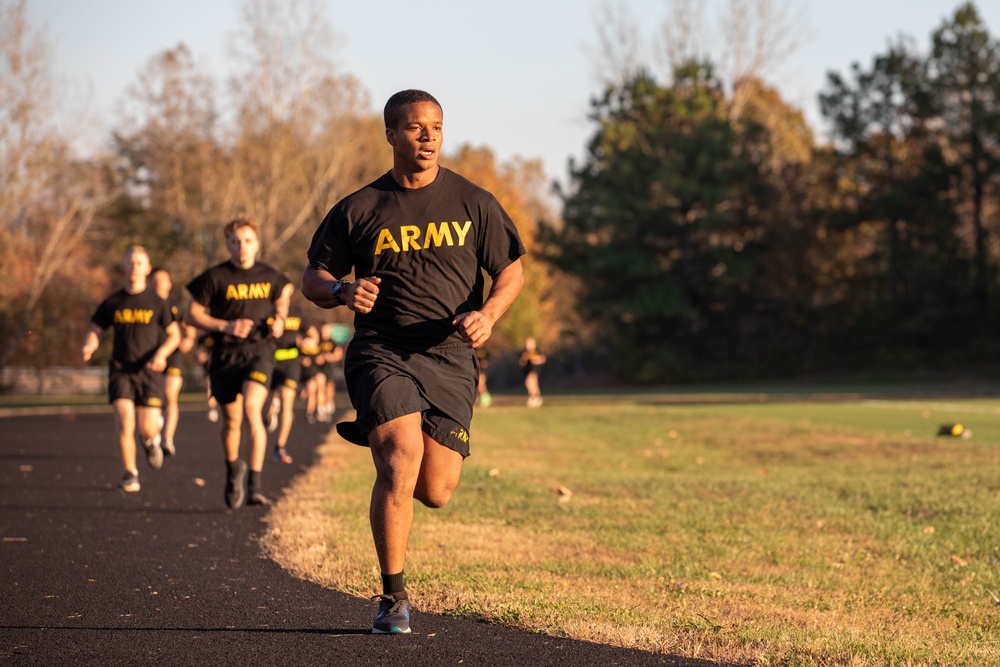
point(308, 372)
point(174, 366)
point(287, 373)
point(386, 382)
point(142, 386)
point(233, 366)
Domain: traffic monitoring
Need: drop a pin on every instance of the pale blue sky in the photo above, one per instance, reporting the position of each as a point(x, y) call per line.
point(515, 76)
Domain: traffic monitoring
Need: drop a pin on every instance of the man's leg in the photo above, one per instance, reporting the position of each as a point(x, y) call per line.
point(397, 450)
point(171, 412)
point(125, 421)
point(254, 397)
point(232, 422)
point(236, 469)
point(287, 416)
point(149, 423)
point(440, 471)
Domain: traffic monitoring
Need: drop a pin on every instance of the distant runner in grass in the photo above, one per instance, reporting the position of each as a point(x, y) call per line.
point(244, 304)
point(419, 239)
point(145, 334)
point(530, 360)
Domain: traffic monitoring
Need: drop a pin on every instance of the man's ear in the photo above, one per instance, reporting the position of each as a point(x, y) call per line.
point(390, 136)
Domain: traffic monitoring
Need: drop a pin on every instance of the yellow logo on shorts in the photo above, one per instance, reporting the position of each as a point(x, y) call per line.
point(257, 376)
point(154, 402)
point(461, 434)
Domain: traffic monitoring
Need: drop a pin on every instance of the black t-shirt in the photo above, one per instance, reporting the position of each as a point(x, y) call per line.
point(230, 293)
point(138, 320)
point(176, 314)
point(295, 326)
point(428, 245)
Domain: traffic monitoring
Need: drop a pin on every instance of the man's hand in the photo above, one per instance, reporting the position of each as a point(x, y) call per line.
point(360, 295)
point(475, 327)
point(277, 326)
point(158, 363)
point(241, 328)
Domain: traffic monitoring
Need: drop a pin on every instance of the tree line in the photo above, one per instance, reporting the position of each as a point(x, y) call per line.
point(713, 237)
point(706, 234)
point(283, 139)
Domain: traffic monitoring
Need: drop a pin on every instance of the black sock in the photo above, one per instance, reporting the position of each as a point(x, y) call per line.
point(254, 478)
point(232, 466)
point(392, 584)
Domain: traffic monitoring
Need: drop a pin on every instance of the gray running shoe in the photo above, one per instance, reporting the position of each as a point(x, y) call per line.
point(168, 447)
point(154, 454)
point(393, 616)
point(236, 486)
point(129, 483)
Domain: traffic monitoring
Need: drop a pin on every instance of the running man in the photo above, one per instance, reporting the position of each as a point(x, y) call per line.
point(331, 354)
point(163, 285)
point(144, 336)
point(285, 382)
point(244, 304)
point(530, 360)
point(419, 239)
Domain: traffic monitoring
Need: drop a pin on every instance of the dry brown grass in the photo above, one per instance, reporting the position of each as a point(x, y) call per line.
point(827, 592)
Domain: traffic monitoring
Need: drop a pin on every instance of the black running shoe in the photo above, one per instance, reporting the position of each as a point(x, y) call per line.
point(168, 447)
point(393, 616)
point(255, 497)
point(235, 486)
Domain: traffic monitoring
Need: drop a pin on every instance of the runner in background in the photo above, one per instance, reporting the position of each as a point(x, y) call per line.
point(163, 285)
point(144, 336)
point(285, 382)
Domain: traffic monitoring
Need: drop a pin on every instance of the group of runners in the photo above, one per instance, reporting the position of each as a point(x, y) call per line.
point(419, 243)
point(258, 358)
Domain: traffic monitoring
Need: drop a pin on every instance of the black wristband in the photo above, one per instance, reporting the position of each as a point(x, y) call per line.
point(337, 291)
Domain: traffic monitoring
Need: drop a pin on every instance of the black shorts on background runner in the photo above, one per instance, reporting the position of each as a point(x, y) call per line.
point(142, 386)
point(231, 367)
point(174, 364)
point(287, 373)
point(386, 382)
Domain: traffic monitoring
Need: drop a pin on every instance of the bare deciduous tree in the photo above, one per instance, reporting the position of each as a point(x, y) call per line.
point(759, 36)
point(170, 138)
point(48, 198)
point(289, 97)
point(621, 51)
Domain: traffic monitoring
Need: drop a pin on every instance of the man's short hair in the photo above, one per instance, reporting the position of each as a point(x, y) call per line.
point(136, 248)
point(240, 223)
point(393, 112)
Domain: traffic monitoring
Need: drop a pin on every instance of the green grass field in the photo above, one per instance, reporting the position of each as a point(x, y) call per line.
point(803, 532)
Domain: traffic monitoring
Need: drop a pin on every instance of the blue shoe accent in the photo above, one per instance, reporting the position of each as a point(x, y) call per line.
point(393, 616)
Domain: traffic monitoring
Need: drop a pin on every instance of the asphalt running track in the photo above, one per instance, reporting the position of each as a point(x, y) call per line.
point(170, 576)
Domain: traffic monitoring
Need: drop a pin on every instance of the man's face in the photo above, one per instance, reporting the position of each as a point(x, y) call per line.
point(162, 284)
point(416, 141)
point(136, 266)
point(243, 246)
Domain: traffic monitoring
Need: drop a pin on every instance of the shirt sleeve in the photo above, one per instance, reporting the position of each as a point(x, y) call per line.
point(500, 243)
point(167, 315)
point(103, 316)
point(330, 247)
point(198, 288)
